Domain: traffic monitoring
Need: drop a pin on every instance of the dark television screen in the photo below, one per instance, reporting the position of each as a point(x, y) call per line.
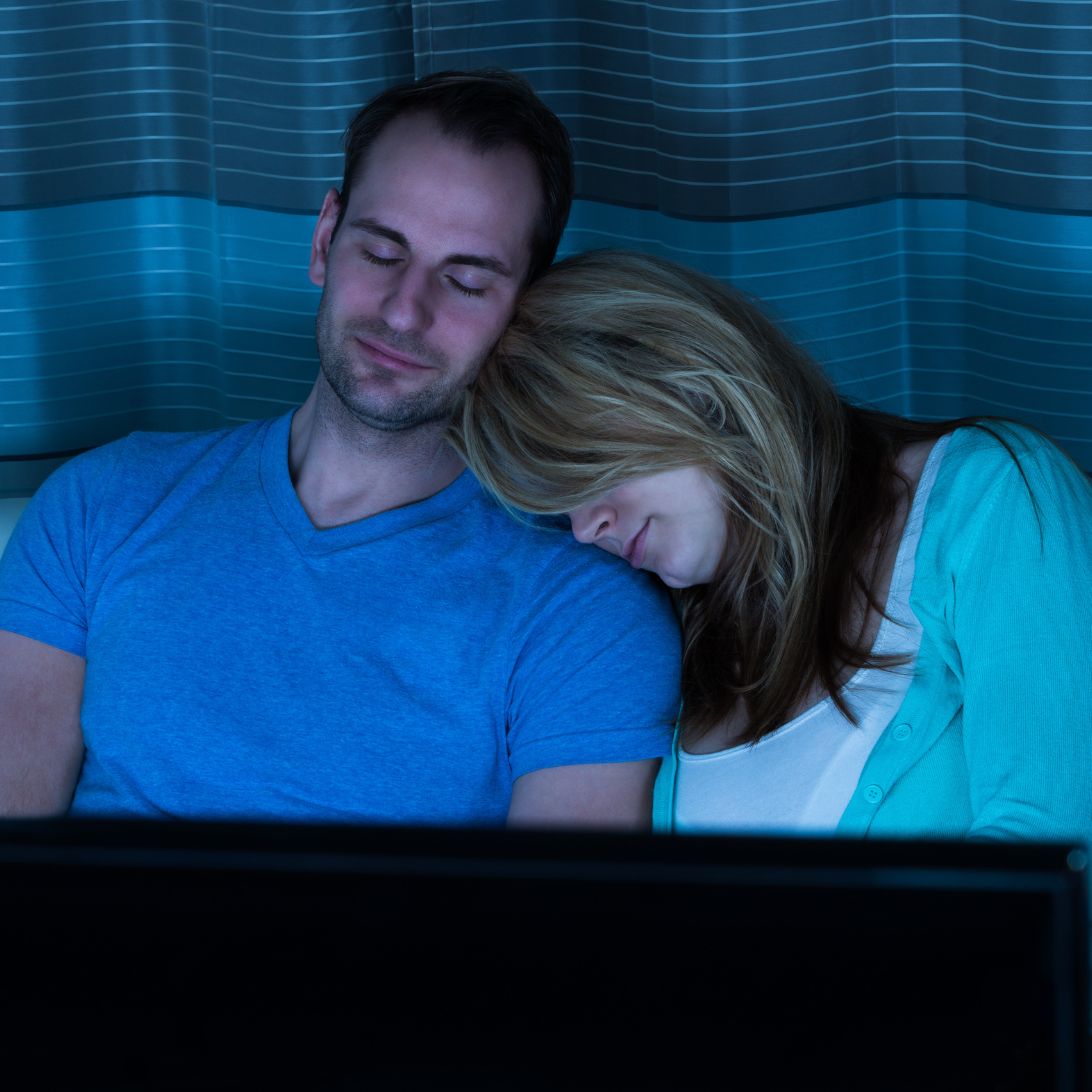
point(220, 956)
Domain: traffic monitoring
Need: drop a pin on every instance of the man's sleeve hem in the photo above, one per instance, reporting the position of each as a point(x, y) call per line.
point(28, 621)
point(572, 749)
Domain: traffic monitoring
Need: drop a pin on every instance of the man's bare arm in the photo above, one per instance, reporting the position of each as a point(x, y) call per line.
point(41, 744)
point(612, 794)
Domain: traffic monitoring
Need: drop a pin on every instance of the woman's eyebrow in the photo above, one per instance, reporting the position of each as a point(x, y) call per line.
point(479, 261)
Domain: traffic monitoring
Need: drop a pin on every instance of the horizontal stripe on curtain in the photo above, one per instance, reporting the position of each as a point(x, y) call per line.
point(906, 184)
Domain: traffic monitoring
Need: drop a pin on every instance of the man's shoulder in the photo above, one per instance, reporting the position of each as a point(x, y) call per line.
point(548, 572)
point(505, 531)
point(150, 455)
point(134, 473)
point(181, 447)
point(548, 542)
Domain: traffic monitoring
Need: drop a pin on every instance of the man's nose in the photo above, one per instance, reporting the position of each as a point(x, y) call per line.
point(591, 522)
point(407, 305)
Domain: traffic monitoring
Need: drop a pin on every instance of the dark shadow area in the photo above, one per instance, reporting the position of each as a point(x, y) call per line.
point(223, 957)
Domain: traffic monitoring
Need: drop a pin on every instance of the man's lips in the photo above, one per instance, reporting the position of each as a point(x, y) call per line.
point(389, 358)
point(634, 552)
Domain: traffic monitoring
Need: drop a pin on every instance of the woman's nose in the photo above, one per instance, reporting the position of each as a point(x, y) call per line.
point(591, 522)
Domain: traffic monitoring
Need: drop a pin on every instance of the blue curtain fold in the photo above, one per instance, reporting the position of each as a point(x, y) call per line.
point(907, 184)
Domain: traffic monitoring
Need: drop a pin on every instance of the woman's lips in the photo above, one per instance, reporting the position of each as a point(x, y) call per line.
point(635, 550)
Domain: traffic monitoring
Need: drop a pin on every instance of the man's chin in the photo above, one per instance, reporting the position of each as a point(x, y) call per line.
point(383, 402)
point(386, 424)
point(397, 417)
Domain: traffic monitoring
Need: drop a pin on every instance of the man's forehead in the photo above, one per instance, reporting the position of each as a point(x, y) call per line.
point(417, 180)
point(419, 135)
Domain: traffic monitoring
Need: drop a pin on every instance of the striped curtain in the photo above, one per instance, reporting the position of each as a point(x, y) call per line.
point(906, 183)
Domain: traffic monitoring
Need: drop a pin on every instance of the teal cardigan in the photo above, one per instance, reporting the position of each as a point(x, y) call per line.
point(994, 736)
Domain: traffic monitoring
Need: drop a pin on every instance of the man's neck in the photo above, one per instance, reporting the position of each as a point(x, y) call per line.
point(344, 471)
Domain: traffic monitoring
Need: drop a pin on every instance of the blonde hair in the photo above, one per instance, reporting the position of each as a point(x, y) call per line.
point(619, 364)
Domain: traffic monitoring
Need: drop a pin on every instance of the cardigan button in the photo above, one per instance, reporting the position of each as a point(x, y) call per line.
point(873, 794)
point(901, 732)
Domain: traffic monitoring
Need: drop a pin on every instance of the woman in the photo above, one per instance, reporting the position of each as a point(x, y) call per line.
point(887, 623)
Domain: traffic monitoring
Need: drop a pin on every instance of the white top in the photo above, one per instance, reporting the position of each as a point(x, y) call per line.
point(800, 777)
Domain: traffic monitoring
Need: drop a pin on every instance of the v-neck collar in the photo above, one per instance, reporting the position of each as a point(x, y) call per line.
point(291, 515)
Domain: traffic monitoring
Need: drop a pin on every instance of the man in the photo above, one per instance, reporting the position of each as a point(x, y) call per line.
point(322, 616)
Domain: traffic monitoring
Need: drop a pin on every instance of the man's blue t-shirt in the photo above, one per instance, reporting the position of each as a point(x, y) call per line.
point(405, 668)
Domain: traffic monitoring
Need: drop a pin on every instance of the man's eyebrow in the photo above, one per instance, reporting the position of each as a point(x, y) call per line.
point(374, 227)
point(479, 261)
point(492, 264)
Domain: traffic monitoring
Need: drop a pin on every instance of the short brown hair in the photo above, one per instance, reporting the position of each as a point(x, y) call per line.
point(489, 108)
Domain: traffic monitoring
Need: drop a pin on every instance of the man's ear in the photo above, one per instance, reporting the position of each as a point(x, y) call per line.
point(324, 232)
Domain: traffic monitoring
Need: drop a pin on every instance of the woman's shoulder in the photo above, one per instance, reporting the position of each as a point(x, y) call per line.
point(999, 439)
point(1006, 479)
point(993, 454)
